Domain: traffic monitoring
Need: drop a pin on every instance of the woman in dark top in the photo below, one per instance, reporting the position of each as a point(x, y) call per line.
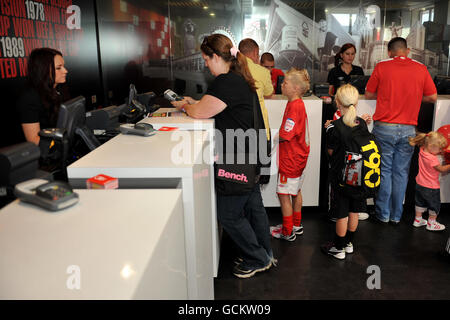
point(229, 100)
point(344, 68)
point(38, 104)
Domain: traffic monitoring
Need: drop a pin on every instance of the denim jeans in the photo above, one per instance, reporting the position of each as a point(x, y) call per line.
point(245, 220)
point(396, 156)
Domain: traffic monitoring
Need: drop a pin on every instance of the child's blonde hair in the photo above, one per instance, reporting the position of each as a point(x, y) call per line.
point(299, 78)
point(347, 97)
point(431, 138)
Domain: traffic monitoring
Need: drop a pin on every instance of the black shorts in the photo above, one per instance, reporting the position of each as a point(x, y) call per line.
point(344, 204)
point(427, 198)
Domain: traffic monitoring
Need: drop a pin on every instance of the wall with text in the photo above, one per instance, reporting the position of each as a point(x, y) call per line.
point(66, 25)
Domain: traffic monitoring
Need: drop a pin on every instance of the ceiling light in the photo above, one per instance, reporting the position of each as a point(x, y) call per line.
point(212, 14)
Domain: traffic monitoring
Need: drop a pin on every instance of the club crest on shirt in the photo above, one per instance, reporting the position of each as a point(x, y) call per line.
point(289, 125)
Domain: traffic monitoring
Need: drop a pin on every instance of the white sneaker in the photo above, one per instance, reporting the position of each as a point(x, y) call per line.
point(277, 233)
point(435, 226)
point(298, 230)
point(348, 248)
point(329, 248)
point(419, 223)
point(363, 216)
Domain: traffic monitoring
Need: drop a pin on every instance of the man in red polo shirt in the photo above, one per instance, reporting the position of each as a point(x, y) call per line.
point(399, 85)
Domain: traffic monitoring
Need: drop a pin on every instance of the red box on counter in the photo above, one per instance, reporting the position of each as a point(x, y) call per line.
point(102, 181)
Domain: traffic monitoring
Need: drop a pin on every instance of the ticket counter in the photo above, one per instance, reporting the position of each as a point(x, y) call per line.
point(173, 160)
point(112, 244)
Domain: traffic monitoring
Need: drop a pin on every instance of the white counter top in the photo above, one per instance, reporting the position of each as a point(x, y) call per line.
point(180, 121)
point(128, 244)
point(165, 154)
point(176, 159)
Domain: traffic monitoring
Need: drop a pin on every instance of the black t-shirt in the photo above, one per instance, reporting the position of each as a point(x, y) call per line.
point(234, 91)
point(337, 77)
point(32, 110)
point(335, 141)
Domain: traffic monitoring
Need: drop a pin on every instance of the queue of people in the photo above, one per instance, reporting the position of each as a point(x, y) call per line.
point(241, 83)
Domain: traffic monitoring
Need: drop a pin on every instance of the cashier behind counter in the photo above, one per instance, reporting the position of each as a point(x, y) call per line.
point(344, 68)
point(39, 101)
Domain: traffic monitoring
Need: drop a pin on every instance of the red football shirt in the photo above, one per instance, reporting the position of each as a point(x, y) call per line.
point(274, 73)
point(337, 115)
point(293, 153)
point(400, 83)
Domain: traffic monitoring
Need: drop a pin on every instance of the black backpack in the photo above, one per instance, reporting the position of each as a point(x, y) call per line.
point(361, 173)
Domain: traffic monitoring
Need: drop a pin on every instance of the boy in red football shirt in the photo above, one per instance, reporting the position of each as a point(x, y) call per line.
point(292, 155)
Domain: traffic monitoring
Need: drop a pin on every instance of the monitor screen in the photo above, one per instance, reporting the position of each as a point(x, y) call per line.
point(72, 117)
point(72, 114)
point(360, 82)
point(442, 84)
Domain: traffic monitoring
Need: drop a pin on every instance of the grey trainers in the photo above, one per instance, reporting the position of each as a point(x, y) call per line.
point(243, 272)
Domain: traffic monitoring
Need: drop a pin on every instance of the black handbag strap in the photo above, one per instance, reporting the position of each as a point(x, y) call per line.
point(257, 111)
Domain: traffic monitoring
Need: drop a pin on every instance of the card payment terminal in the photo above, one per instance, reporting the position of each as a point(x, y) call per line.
point(53, 196)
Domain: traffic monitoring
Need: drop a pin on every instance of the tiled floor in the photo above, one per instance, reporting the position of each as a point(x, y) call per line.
point(410, 261)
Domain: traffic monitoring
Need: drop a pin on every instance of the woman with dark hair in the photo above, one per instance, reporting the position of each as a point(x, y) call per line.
point(343, 68)
point(39, 103)
point(229, 100)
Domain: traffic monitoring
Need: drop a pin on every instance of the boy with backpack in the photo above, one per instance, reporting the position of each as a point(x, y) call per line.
point(354, 170)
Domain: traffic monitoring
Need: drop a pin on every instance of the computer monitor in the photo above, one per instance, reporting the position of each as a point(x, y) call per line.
point(104, 118)
point(442, 84)
point(72, 117)
point(360, 82)
point(321, 89)
point(148, 100)
point(18, 163)
point(280, 80)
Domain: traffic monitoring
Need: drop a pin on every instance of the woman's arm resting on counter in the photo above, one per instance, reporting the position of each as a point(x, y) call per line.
point(208, 106)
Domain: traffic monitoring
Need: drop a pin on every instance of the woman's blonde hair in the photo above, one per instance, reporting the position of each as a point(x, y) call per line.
point(347, 97)
point(299, 78)
point(430, 138)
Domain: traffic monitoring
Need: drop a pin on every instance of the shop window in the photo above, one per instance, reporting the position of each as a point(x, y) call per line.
point(427, 15)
